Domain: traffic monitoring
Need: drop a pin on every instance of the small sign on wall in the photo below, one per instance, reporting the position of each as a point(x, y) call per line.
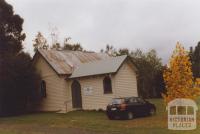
point(88, 90)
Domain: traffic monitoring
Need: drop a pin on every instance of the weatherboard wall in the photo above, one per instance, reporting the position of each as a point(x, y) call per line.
point(126, 81)
point(124, 84)
point(56, 88)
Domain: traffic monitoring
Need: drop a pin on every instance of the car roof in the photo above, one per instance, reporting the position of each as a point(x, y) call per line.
point(125, 97)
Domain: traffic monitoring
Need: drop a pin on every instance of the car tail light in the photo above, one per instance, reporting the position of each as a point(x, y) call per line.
point(123, 107)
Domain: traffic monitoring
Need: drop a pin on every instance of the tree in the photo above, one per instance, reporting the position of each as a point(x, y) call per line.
point(150, 70)
point(195, 60)
point(123, 51)
point(18, 78)
point(56, 46)
point(71, 46)
point(11, 35)
point(178, 77)
point(40, 42)
point(110, 50)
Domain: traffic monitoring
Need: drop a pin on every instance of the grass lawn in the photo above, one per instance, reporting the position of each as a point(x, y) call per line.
point(85, 122)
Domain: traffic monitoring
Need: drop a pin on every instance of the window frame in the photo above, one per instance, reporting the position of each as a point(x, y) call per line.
point(107, 80)
point(43, 89)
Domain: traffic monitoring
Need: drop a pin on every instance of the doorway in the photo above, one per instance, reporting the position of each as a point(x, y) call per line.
point(76, 94)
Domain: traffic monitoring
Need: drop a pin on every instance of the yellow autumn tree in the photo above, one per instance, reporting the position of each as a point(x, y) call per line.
point(178, 77)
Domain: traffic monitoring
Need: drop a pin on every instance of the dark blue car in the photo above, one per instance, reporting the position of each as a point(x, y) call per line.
point(129, 107)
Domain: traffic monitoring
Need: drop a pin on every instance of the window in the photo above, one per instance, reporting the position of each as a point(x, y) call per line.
point(181, 110)
point(190, 110)
point(117, 101)
point(43, 89)
point(107, 85)
point(140, 100)
point(172, 110)
point(133, 100)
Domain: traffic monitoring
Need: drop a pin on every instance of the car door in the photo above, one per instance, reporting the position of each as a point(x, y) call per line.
point(134, 106)
point(143, 106)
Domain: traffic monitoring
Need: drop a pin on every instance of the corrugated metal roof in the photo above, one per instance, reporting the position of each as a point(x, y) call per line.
point(65, 61)
point(109, 65)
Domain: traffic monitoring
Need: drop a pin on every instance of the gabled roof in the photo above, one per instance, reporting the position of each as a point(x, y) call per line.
point(105, 66)
point(65, 61)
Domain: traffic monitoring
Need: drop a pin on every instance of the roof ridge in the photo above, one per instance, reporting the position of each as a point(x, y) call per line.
point(106, 59)
point(61, 50)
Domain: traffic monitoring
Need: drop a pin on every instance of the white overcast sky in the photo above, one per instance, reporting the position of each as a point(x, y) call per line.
point(144, 24)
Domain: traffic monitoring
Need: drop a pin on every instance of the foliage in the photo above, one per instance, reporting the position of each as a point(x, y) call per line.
point(72, 46)
point(67, 45)
point(124, 51)
point(56, 46)
point(195, 60)
point(110, 50)
point(11, 35)
point(18, 78)
point(178, 77)
point(40, 42)
point(150, 69)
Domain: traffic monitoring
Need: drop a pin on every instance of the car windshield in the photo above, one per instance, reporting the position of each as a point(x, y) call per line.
point(141, 100)
point(117, 101)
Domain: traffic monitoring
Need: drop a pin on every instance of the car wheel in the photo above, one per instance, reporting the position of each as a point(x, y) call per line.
point(152, 111)
point(110, 117)
point(129, 115)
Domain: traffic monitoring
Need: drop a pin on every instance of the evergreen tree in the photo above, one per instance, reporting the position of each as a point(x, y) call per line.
point(195, 59)
point(18, 78)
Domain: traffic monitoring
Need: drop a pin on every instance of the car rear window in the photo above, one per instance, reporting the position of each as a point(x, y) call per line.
point(117, 101)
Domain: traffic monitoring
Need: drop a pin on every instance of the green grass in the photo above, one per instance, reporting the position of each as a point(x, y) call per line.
point(89, 122)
